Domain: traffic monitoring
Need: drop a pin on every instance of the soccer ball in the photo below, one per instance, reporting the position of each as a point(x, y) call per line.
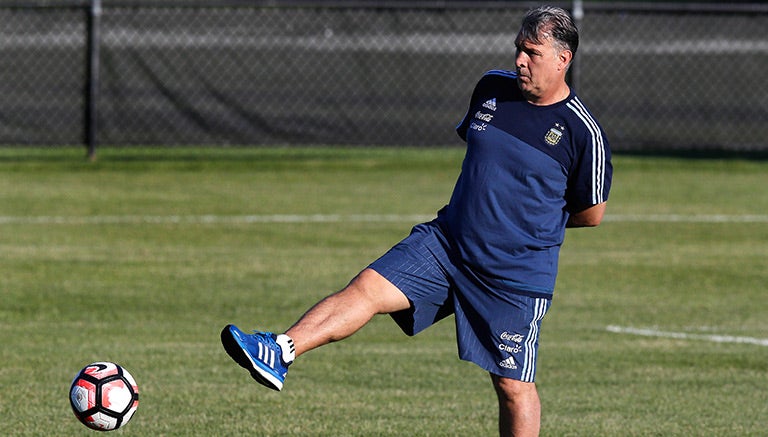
point(104, 396)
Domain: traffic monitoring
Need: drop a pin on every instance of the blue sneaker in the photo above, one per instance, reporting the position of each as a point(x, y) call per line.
point(260, 353)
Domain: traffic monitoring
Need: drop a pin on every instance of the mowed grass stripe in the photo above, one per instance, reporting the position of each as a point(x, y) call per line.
point(341, 218)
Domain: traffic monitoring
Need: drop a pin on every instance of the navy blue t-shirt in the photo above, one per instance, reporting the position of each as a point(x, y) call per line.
point(526, 167)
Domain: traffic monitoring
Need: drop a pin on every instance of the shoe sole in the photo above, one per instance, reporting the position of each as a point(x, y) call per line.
point(236, 350)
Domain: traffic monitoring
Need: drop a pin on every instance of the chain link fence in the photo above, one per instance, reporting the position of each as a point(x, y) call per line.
point(659, 76)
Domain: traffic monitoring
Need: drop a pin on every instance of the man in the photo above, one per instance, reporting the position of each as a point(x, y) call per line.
point(536, 163)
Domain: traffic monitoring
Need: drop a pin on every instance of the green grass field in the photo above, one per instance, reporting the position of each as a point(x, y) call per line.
point(143, 256)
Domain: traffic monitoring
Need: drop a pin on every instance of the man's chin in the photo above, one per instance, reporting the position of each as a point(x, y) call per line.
point(524, 85)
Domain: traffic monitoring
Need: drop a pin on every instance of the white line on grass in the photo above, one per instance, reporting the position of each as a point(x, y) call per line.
point(335, 218)
point(688, 218)
point(212, 219)
point(648, 332)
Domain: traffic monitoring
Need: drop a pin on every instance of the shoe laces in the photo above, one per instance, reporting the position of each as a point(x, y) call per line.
point(268, 338)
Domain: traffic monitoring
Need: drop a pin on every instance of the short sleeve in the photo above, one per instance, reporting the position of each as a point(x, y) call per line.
point(590, 178)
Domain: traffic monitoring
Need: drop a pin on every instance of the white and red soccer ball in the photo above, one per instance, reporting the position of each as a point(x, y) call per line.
point(104, 396)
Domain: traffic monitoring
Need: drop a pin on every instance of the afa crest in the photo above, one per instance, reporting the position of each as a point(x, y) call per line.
point(555, 133)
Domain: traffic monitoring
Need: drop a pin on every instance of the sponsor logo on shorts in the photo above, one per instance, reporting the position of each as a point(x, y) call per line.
point(511, 343)
point(516, 338)
point(513, 349)
point(509, 363)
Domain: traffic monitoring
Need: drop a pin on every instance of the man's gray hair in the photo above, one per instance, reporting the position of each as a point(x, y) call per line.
point(550, 22)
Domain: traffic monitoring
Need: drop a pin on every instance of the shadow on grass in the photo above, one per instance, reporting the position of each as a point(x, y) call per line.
point(752, 155)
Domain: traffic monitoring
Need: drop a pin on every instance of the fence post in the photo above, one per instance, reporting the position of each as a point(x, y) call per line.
point(92, 78)
point(578, 18)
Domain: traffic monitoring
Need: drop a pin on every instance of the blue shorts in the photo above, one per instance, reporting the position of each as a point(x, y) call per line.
point(496, 329)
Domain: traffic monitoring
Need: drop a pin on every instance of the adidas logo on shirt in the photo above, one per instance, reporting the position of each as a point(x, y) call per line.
point(490, 104)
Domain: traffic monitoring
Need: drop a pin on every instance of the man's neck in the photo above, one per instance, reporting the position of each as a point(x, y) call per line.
point(561, 93)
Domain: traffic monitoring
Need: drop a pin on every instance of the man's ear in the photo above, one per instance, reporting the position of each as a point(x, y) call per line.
point(565, 57)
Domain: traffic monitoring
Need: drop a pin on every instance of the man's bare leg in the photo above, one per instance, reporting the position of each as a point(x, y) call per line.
point(519, 407)
point(343, 313)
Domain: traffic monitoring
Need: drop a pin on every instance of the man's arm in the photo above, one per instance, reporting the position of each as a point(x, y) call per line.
point(591, 216)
